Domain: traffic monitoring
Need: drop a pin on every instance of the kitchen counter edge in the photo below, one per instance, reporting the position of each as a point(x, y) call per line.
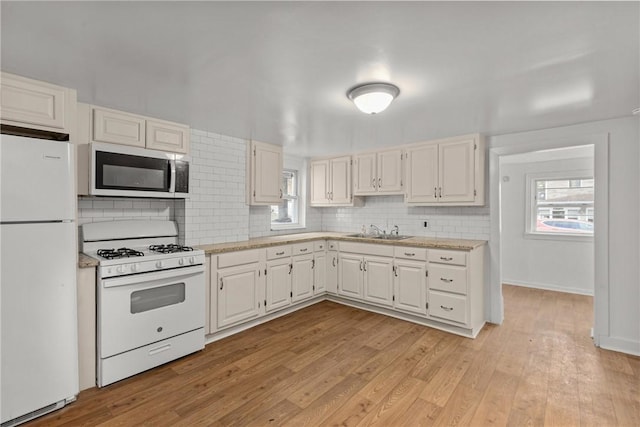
point(264, 242)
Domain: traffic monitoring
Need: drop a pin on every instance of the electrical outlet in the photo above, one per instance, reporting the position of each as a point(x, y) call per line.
point(425, 224)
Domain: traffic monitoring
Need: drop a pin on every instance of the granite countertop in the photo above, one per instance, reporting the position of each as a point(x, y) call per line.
point(85, 261)
point(263, 242)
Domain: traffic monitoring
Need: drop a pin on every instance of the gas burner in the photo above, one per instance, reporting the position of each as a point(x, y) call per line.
point(118, 253)
point(169, 249)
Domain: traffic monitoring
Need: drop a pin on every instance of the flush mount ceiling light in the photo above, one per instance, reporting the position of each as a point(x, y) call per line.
point(372, 98)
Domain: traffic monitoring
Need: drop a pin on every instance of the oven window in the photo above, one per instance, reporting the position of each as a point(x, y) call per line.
point(127, 172)
point(162, 296)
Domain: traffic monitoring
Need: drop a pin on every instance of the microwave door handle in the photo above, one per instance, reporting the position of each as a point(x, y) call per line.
point(172, 183)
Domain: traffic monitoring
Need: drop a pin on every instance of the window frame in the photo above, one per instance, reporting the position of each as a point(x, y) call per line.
point(531, 204)
point(297, 165)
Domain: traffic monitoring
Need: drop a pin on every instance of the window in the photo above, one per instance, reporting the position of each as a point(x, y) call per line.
point(560, 205)
point(287, 211)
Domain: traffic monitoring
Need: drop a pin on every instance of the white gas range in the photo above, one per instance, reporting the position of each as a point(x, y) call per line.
point(150, 296)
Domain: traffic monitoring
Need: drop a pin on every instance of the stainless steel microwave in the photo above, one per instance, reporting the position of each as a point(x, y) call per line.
point(123, 171)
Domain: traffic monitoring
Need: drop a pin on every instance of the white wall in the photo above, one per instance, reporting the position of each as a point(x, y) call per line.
point(618, 326)
point(563, 263)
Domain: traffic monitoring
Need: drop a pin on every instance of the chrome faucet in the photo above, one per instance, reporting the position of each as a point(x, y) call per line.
point(395, 230)
point(377, 229)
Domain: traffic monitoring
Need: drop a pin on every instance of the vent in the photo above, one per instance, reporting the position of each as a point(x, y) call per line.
point(35, 414)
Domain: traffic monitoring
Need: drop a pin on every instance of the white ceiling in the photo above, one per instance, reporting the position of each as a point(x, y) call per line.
point(279, 71)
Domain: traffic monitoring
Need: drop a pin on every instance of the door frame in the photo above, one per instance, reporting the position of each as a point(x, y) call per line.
point(523, 143)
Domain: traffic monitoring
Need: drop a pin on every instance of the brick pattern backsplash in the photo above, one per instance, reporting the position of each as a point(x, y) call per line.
point(387, 211)
point(216, 211)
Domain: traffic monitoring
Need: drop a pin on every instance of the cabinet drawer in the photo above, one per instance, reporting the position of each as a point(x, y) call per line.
point(302, 248)
point(319, 246)
point(447, 257)
point(278, 252)
point(410, 253)
point(366, 249)
point(118, 128)
point(231, 259)
point(448, 278)
point(448, 306)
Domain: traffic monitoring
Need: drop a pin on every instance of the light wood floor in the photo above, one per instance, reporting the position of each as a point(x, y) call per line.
point(334, 365)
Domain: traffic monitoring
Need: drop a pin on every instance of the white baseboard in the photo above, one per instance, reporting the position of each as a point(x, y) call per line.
point(548, 287)
point(621, 345)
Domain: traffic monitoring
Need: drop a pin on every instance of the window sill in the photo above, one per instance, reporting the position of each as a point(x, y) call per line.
point(560, 237)
point(287, 227)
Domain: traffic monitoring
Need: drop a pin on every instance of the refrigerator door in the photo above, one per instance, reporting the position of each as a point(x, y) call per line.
point(36, 179)
point(39, 355)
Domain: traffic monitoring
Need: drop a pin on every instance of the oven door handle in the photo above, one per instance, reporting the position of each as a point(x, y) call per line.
point(139, 279)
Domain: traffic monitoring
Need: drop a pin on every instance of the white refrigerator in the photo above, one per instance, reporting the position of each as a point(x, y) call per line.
point(38, 252)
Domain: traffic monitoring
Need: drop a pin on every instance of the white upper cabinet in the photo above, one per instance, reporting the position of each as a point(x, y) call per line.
point(378, 173)
point(447, 172)
point(264, 174)
point(98, 124)
point(167, 136)
point(38, 105)
point(331, 182)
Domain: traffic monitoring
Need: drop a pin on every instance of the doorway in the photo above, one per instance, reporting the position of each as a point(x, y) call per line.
point(520, 145)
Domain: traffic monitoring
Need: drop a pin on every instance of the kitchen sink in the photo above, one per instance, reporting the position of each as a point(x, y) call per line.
point(379, 236)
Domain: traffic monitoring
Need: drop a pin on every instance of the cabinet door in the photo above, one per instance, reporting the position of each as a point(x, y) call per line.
point(422, 174)
point(390, 171)
point(456, 172)
point(340, 171)
point(32, 102)
point(302, 279)
point(237, 294)
point(266, 173)
point(319, 272)
point(332, 272)
point(319, 172)
point(410, 280)
point(350, 275)
point(118, 128)
point(166, 136)
point(365, 180)
point(378, 280)
point(278, 284)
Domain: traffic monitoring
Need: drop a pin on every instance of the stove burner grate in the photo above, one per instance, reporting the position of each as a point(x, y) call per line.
point(169, 249)
point(119, 253)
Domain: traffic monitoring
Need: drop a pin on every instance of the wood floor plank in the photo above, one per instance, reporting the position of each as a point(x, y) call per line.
point(329, 364)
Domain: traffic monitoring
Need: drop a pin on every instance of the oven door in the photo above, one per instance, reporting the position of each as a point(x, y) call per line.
point(131, 171)
point(137, 310)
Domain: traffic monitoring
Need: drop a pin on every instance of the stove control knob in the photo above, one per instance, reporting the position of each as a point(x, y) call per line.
point(135, 267)
point(181, 261)
point(121, 268)
point(159, 264)
point(192, 260)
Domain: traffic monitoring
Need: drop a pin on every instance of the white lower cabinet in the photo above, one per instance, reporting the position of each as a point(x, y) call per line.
point(237, 294)
point(410, 286)
point(378, 280)
point(350, 278)
point(443, 287)
point(320, 271)
point(302, 279)
point(332, 267)
point(278, 288)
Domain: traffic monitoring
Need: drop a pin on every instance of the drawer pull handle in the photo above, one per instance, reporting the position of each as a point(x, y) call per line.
point(409, 254)
point(334, 261)
point(159, 349)
point(303, 250)
point(280, 253)
point(446, 308)
point(446, 258)
point(446, 280)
